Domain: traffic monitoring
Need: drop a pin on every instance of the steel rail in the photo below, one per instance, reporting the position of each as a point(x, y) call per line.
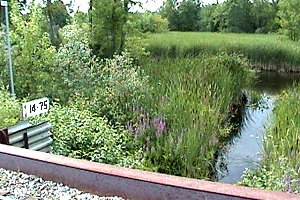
point(111, 180)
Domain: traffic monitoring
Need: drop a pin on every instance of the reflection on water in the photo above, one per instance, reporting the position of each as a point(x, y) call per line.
point(273, 83)
point(245, 150)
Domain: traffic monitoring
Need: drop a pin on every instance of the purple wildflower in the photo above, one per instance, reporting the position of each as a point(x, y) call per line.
point(129, 127)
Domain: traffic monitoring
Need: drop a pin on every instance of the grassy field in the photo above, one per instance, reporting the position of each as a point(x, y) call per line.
point(194, 97)
point(280, 166)
point(270, 52)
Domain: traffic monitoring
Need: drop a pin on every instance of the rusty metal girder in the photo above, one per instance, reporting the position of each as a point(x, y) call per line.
point(111, 180)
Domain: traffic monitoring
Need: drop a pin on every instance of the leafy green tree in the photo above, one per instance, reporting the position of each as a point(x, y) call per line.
point(219, 18)
point(60, 14)
point(170, 12)
point(188, 15)
point(81, 17)
point(108, 18)
point(238, 16)
point(32, 52)
point(58, 17)
point(206, 22)
point(152, 22)
point(22, 4)
point(263, 15)
point(182, 16)
point(289, 18)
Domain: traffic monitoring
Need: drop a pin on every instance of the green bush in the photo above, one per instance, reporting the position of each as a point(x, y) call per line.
point(9, 109)
point(118, 86)
point(280, 176)
point(136, 40)
point(153, 23)
point(81, 134)
point(110, 86)
point(75, 64)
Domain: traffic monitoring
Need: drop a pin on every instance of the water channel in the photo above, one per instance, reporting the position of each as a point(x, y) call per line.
point(245, 149)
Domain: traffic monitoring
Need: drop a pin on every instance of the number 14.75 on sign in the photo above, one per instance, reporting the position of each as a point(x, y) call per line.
point(35, 107)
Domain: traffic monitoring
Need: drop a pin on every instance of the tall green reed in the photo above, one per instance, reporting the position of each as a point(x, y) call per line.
point(283, 139)
point(194, 96)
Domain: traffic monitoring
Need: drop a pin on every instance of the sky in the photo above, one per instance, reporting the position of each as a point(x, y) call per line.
point(151, 5)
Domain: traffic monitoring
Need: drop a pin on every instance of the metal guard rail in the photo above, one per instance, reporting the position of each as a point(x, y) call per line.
point(25, 135)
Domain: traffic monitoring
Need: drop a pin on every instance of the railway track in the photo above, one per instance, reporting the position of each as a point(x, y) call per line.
point(108, 180)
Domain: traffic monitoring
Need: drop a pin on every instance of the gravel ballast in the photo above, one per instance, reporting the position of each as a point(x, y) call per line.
point(20, 186)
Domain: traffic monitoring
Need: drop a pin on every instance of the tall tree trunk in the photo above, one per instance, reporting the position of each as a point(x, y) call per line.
point(53, 28)
point(91, 13)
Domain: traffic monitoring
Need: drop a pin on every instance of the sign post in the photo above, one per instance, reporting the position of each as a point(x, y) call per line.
point(12, 88)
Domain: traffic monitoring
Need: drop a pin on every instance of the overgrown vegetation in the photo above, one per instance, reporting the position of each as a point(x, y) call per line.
point(289, 18)
point(170, 114)
point(280, 165)
point(9, 109)
point(268, 52)
point(81, 134)
point(93, 96)
point(188, 107)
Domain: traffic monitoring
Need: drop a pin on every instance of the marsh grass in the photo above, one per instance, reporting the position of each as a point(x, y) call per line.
point(269, 52)
point(283, 139)
point(195, 97)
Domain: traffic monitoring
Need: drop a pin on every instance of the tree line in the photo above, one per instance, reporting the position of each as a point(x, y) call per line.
point(237, 16)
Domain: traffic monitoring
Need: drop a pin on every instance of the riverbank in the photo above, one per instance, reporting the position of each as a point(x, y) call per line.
point(265, 52)
point(280, 165)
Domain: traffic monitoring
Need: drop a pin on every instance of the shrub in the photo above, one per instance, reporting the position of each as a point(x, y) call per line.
point(9, 109)
point(280, 176)
point(81, 134)
point(111, 86)
point(136, 40)
point(74, 63)
point(117, 88)
point(153, 23)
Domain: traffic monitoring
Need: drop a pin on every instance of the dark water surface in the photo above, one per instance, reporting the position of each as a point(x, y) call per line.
point(245, 149)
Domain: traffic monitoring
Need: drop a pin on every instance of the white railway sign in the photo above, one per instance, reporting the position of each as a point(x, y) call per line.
point(35, 107)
